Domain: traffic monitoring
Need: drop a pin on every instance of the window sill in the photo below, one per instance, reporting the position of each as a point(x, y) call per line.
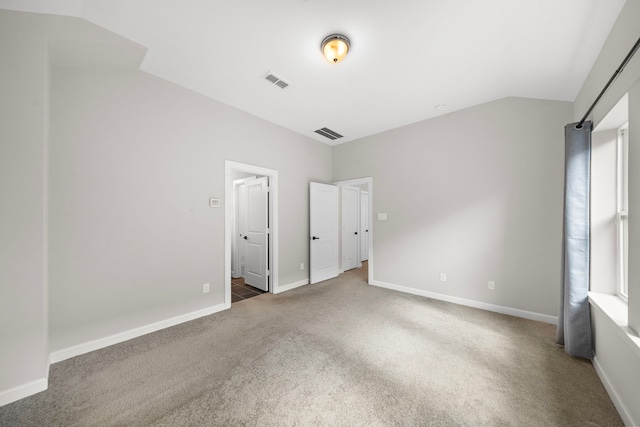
point(616, 309)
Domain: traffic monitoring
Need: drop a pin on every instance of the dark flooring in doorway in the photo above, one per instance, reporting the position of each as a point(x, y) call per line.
point(241, 291)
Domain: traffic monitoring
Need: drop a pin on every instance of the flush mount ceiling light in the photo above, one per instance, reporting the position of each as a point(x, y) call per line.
point(335, 47)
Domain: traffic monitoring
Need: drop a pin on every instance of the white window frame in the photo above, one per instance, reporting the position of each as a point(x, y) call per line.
point(622, 221)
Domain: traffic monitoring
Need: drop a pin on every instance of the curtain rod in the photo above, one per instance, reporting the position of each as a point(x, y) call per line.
point(610, 82)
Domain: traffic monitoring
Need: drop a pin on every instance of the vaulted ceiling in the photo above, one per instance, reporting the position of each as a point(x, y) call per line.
point(406, 57)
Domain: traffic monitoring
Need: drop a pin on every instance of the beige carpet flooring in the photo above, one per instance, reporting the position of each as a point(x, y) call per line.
point(338, 353)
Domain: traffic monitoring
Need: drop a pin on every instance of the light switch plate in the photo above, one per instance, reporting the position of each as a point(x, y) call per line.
point(214, 202)
point(382, 217)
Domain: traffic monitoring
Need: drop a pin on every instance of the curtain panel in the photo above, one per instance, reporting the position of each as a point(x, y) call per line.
point(574, 320)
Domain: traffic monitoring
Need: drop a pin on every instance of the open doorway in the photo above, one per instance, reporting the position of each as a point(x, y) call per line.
point(364, 207)
point(251, 227)
point(250, 236)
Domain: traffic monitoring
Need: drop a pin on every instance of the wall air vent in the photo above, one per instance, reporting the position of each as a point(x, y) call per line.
point(276, 80)
point(328, 133)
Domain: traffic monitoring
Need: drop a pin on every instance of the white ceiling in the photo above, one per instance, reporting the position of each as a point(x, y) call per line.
point(407, 56)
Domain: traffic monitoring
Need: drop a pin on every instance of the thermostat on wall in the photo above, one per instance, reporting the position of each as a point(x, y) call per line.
point(214, 202)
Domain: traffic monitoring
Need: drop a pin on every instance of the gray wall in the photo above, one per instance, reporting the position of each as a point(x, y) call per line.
point(134, 160)
point(475, 194)
point(23, 204)
point(620, 40)
point(24, 144)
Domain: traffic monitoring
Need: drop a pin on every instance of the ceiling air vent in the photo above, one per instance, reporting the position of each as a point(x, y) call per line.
point(276, 80)
point(328, 133)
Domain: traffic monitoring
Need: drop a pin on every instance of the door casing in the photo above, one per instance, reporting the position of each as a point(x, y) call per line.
point(364, 226)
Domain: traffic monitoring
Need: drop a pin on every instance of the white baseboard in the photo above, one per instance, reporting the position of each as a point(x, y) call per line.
point(87, 347)
point(615, 397)
point(290, 286)
point(22, 391)
point(471, 303)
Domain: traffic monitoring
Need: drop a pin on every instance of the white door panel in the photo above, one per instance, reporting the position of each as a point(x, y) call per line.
point(323, 224)
point(350, 227)
point(256, 233)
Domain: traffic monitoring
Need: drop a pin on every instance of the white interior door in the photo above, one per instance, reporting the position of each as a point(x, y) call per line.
point(256, 233)
point(323, 227)
point(350, 227)
point(364, 226)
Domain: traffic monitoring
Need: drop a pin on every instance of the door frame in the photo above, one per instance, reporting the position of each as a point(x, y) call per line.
point(364, 193)
point(230, 167)
point(369, 182)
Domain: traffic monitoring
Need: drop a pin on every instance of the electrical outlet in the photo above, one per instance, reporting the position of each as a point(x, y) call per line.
point(443, 277)
point(302, 266)
point(205, 288)
point(492, 286)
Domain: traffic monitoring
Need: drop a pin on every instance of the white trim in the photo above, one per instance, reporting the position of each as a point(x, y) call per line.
point(22, 391)
point(284, 288)
point(622, 206)
point(229, 167)
point(77, 350)
point(616, 309)
point(626, 416)
point(471, 303)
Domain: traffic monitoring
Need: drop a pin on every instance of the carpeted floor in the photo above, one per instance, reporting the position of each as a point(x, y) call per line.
point(338, 353)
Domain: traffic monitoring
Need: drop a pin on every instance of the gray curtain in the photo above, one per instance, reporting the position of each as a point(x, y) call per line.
point(574, 320)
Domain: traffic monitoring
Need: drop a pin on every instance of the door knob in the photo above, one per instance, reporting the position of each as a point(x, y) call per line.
point(315, 238)
point(245, 238)
point(355, 232)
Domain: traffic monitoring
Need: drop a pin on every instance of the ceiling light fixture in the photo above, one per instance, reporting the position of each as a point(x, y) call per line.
point(335, 47)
